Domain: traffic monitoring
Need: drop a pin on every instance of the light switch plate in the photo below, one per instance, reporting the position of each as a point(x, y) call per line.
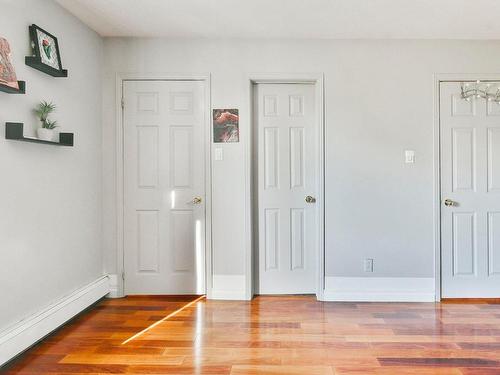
point(219, 154)
point(409, 156)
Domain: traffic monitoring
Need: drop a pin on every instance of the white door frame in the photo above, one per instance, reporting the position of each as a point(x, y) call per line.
point(120, 78)
point(438, 78)
point(251, 247)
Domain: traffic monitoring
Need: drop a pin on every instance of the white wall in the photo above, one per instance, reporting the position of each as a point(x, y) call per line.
point(50, 197)
point(379, 102)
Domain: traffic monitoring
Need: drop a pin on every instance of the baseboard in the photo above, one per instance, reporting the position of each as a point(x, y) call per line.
point(228, 287)
point(27, 332)
point(113, 287)
point(480, 301)
point(379, 289)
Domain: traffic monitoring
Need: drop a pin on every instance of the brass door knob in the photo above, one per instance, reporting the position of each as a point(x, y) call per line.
point(310, 199)
point(449, 203)
point(196, 200)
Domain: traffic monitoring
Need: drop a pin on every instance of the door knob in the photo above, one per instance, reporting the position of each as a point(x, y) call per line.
point(448, 203)
point(310, 199)
point(196, 200)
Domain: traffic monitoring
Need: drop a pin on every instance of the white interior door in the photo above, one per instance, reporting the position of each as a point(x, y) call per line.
point(470, 181)
point(164, 187)
point(287, 152)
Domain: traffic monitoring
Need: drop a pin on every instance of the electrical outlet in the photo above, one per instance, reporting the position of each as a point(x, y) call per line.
point(409, 156)
point(368, 265)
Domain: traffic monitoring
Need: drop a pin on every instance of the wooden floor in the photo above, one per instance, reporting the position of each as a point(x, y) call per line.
point(271, 335)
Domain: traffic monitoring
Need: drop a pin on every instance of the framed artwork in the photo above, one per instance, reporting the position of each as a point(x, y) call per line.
point(226, 125)
point(7, 72)
point(45, 48)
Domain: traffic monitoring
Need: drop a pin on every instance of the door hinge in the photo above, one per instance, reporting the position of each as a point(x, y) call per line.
point(123, 103)
point(123, 276)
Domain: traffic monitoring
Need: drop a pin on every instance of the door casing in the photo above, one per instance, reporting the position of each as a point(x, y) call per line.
point(252, 242)
point(120, 78)
point(438, 78)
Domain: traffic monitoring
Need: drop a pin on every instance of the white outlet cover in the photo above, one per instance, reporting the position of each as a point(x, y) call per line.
point(368, 265)
point(409, 156)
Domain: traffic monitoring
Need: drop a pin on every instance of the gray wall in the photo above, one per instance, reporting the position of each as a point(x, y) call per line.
point(50, 197)
point(379, 102)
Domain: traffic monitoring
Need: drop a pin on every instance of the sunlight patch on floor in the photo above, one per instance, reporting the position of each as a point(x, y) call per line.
point(162, 320)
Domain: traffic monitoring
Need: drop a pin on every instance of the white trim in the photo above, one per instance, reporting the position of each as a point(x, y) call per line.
point(320, 94)
point(226, 295)
point(30, 330)
point(318, 80)
point(120, 77)
point(208, 189)
point(379, 289)
point(437, 192)
point(120, 256)
point(437, 79)
point(229, 287)
point(113, 286)
point(247, 138)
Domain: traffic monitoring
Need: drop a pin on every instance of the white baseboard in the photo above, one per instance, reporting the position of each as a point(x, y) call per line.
point(228, 287)
point(113, 287)
point(379, 289)
point(27, 332)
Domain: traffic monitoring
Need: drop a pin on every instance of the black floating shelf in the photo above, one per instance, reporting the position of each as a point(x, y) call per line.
point(11, 90)
point(35, 63)
point(14, 131)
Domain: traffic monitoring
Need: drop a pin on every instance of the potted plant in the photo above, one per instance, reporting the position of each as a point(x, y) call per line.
point(43, 110)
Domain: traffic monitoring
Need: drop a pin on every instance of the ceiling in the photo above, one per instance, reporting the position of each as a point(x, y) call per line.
point(291, 19)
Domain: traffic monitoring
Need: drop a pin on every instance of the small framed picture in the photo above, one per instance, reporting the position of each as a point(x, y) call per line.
point(7, 71)
point(226, 125)
point(45, 47)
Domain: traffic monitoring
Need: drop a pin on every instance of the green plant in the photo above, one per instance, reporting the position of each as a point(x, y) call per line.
point(49, 124)
point(43, 110)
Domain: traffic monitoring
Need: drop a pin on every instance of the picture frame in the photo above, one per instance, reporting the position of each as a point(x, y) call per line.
point(8, 78)
point(46, 53)
point(226, 125)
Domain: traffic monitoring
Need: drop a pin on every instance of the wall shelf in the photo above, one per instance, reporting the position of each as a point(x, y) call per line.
point(35, 63)
point(11, 90)
point(14, 131)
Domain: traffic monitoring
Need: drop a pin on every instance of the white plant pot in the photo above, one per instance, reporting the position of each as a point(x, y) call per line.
point(45, 134)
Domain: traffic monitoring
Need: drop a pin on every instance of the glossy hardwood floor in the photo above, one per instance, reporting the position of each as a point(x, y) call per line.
point(271, 335)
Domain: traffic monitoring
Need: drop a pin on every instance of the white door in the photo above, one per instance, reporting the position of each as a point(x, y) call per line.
point(164, 187)
point(287, 152)
point(470, 195)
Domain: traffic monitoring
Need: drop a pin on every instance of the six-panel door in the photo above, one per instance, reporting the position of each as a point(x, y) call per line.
point(287, 152)
point(164, 179)
point(470, 195)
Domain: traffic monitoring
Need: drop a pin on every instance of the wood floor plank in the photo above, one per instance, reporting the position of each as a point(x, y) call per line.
point(122, 359)
point(270, 335)
point(281, 370)
point(396, 371)
point(439, 362)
